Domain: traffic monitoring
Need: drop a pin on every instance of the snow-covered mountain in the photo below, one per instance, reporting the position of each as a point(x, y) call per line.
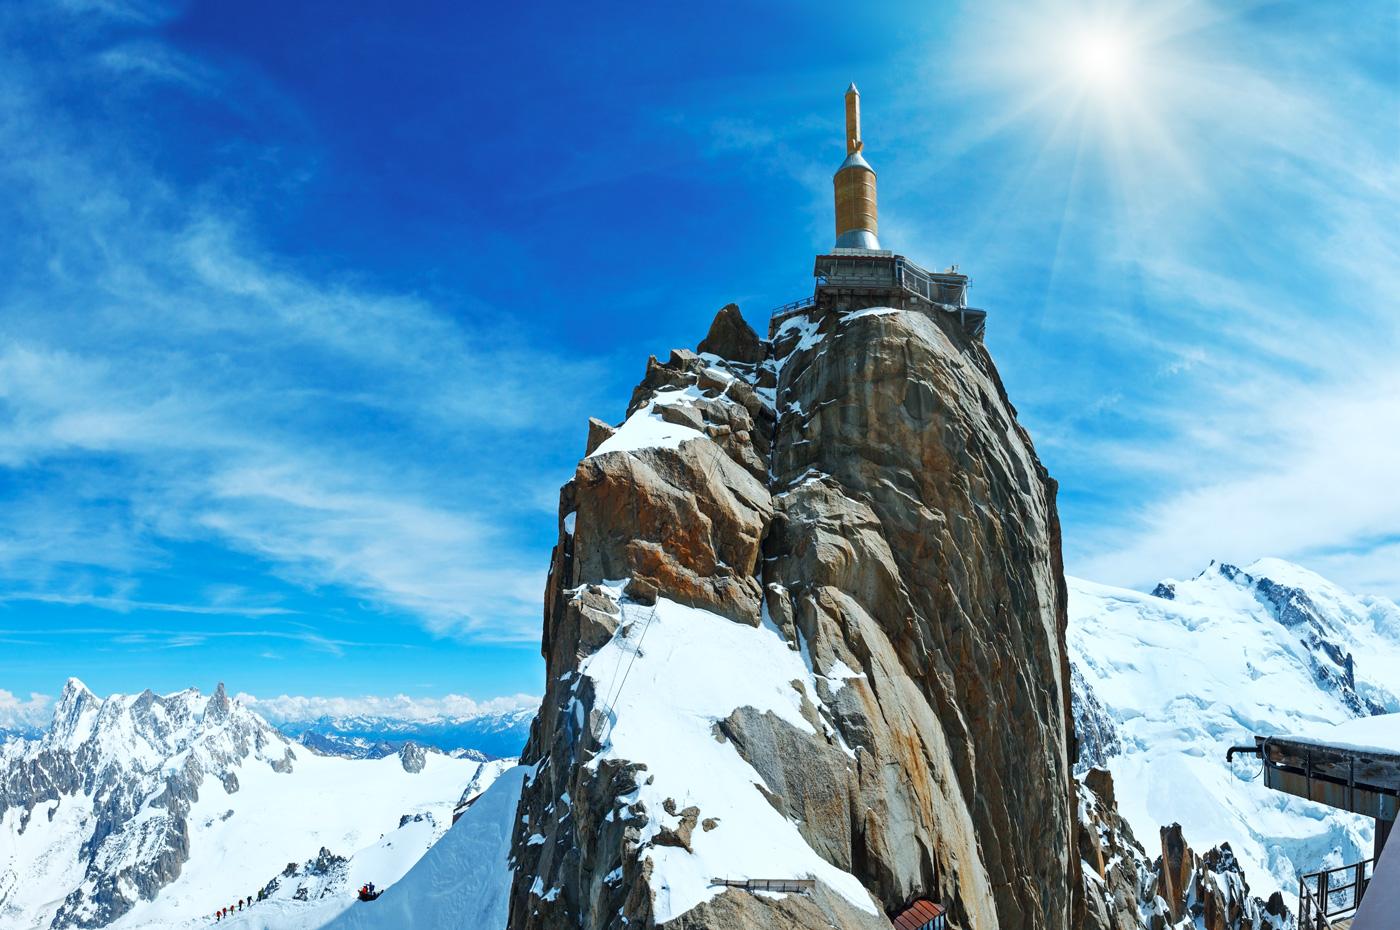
point(19, 732)
point(493, 735)
point(463, 881)
point(155, 810)
point(1165, 682)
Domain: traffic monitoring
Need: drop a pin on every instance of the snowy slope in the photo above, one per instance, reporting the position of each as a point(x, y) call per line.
point(463, 883)
point(152, 811)
point(662, 699)
point(1180, 675)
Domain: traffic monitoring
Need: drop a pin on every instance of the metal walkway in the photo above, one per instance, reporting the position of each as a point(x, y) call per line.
point(782, 885)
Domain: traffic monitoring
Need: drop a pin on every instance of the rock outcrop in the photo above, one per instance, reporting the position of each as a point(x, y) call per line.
point(1093, 725)
point(1178, 890)
point(855, 493)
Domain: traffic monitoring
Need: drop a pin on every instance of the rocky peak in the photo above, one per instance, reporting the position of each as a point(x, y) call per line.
point(733, 339)
point(1125, 889)
point(849, 512)
point(74, 690)
point(73, 714)
point(413, 757)
point(125, 754)
point(1321, 617)
point(219, 706)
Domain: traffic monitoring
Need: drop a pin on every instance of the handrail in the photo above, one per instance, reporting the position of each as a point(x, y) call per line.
point(908, 279)
point(1306, 903)
point(798, 304)
point(1318, 896)
point(783, 885)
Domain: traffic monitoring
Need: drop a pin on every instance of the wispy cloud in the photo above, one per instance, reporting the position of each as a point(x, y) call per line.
point(1217, 254)
point(126, 605)
point(159, 638)
point(165, 381)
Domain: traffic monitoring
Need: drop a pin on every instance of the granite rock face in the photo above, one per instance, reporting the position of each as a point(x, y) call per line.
point(1093, 725)
point(858, 486)
point(413, 757)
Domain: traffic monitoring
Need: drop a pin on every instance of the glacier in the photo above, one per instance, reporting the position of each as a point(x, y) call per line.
point(1166, 682)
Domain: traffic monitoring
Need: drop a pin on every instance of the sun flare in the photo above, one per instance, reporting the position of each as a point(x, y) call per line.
point(1100, 59)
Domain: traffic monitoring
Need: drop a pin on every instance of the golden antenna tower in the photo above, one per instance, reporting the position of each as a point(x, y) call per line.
point(856, 214)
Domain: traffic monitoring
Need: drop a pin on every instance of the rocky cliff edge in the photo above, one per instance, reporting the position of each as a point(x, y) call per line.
point(805, 620)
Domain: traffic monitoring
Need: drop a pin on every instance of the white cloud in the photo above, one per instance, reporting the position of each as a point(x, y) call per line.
point(1333, 460)
point(23, 713)
point(288, 708)
point(126, 604)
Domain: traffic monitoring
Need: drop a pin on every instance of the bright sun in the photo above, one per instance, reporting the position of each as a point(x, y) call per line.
point(1112, 83)
point(1101, 60)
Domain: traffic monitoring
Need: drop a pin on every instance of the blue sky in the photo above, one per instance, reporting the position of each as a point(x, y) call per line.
point(304, 306)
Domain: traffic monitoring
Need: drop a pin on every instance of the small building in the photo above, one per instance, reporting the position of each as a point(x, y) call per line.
point(1354, 767)
point(854, 279)
point(857, 273)
point(919, 914)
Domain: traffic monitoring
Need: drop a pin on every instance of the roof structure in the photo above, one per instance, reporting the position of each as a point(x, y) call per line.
point(1354, 766)
point(1379, 734)
point(918, 915)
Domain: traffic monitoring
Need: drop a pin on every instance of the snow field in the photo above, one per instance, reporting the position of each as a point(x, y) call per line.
point(694, 668)
point(645, 428)
point(463, 882)
point(1186, 678)
point(350, 806)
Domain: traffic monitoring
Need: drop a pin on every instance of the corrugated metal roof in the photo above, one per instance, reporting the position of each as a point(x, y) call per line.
point(916, 915)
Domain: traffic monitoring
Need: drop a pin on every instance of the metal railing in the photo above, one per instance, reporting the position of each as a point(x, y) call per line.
point(800, 303)
point(896, 276)
point(931, 286)
point(1332, 894)
point(788, 885)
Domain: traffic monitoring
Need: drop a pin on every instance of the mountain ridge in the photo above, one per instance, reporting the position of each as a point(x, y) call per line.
point(122, 812)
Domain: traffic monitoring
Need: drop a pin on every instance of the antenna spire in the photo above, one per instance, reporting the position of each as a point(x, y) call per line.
point(853, 143)
point(855, 186)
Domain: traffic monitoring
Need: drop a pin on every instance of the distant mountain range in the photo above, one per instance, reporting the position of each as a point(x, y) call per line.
point(481, 737)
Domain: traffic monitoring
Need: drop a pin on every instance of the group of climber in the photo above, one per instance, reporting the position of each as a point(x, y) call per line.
point(367, 893)
point(223, 912)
